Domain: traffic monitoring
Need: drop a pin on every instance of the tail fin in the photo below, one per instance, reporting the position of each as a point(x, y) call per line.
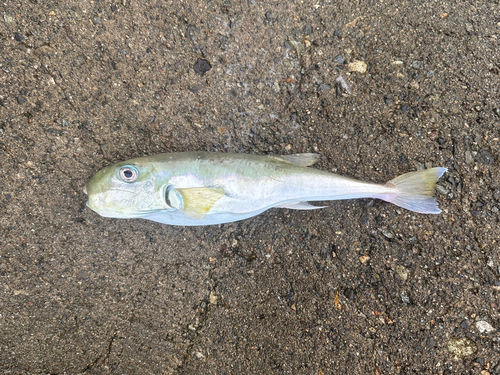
point(416, 190)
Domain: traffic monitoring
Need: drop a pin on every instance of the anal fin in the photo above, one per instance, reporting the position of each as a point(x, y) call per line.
point(300, 206)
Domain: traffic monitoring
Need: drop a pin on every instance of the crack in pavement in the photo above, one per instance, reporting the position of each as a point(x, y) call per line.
point(104, 356)
point(203, 318)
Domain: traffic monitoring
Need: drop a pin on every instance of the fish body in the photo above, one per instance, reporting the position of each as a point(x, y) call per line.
point(203, 188)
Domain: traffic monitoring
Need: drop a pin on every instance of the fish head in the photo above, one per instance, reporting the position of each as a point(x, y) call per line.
point(126, 190)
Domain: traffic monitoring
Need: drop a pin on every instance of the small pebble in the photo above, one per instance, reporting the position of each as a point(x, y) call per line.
point(340, 82)
point(339, 59)
point(299, 47)
point(484, 327)
point(213, 298)
point(468, 157)
point(323, 88)
point(357, 66)
point(405, 298)
point(8, 19)
point(442, 189)
point(199, 355)
point(402, 272)
point(461, 347)
point(416, 64)
point(433, 135)
point(202, 66)
point(386, 233)
point(430, 74)
point(363, 259)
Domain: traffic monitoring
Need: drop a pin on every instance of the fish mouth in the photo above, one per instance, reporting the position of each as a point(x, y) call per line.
point(85, 191)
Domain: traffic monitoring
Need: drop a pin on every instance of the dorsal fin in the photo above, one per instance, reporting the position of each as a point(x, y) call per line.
point(304, 160)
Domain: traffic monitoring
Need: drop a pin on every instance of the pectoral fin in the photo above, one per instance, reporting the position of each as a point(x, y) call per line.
point(300, 206)
point(304, 160)
point(198, 201)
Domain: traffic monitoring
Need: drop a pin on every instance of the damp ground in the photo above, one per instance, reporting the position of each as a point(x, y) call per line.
point(361, 287)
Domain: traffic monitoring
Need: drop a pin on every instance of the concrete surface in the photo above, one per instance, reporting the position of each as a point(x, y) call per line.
point(361, 287)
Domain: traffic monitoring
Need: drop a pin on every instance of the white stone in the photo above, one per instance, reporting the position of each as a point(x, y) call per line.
point(484, 326)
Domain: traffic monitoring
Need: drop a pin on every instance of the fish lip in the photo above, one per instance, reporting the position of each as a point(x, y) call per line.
point(85, 191)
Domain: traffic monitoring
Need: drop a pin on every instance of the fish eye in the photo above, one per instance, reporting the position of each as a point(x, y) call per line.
point(129, 174)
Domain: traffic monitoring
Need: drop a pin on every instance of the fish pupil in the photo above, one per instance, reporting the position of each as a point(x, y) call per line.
point(129, 174)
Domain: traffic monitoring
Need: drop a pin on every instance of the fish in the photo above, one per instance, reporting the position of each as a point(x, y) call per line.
point(208, 188)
